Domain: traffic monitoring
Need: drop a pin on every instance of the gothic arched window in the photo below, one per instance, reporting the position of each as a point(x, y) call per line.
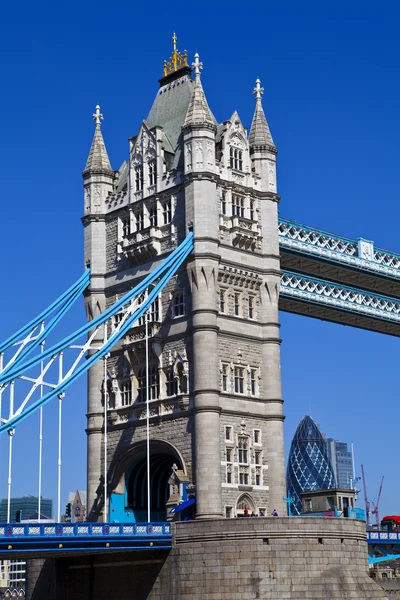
point(139, 178)
point(126, 392)
point(172, 384)
point(154, 383)
point(152, 172)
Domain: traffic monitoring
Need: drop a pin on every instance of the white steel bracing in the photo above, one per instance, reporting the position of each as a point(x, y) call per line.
point(60, 365)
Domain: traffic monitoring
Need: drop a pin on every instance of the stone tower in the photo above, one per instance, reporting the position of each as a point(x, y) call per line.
point(216, 424)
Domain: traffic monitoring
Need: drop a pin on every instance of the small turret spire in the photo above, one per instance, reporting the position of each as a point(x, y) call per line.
point(198, 110)
point(197, 66)
point(97, 116)
point(260, 134)
point(98, 158)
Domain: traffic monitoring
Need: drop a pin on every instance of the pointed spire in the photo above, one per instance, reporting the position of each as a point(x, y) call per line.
point(260, 134)
point(98, 158)
point(198, 110)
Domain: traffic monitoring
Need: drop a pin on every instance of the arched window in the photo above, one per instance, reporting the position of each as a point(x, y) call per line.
point(154, 383)
point(172, 384)
point(138, 178)
point(152, 172)
point(141, 378)
point(153, 216)
point(126, 227)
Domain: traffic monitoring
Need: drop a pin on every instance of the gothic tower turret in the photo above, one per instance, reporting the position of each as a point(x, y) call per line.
point(199, 133)
point(98, 178)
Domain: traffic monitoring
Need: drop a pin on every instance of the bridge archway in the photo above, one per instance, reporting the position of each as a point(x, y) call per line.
point(134, 478)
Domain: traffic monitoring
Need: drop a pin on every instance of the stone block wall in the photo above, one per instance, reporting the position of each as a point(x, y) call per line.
point(298, 558)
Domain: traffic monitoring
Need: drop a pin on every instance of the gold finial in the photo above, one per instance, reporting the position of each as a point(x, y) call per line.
point(177, 60)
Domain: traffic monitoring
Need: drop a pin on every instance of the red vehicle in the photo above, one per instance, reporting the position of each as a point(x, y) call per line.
point(391, 523)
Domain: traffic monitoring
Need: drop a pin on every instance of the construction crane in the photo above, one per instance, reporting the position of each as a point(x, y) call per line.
point(367, 506)
point(375, 506)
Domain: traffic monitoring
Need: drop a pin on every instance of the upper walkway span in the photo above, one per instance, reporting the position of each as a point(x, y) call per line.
point(355, 263)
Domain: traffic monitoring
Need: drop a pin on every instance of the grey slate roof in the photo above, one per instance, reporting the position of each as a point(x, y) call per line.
point(260, 134)
point(170, 107)
point(98, 158)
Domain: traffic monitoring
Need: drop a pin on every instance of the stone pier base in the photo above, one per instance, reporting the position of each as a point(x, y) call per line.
point(301, 558)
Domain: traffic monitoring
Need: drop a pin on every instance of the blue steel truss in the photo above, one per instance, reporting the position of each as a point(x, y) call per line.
point(131, 307)
point(327, 293)
point(359, 254)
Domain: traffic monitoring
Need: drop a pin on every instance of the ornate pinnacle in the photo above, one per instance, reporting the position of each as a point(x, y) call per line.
point(197, 66)
point(98, 117)
point(258, 91)
point(177, 60)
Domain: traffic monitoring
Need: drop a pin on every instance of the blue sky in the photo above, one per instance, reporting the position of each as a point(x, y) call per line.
point(330, 74)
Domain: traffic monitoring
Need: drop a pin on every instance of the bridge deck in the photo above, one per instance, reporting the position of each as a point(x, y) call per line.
point(43, 539)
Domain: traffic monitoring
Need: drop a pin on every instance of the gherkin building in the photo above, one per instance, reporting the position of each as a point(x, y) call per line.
point(309, 465)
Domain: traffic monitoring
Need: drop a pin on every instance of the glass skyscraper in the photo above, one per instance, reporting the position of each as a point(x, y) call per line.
point(309, 465)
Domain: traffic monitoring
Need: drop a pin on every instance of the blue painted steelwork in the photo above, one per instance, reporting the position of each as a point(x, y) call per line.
point(303, 240)
point(341, 297)
point(159, 277)
point(56, 538)
point(382, 546)
point(182, 506)
point(62, 304)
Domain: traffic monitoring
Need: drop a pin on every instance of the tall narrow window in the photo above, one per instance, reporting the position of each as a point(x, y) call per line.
point(154, 383)
point(258, 481)
point(126, 227)
point(253, 379)
point(155, 311)
point(223, 203)
point(252, 212)
point(178, 305)
point(126, 392)
point(228, 473)
point(243, 450)
point(139, 221)
point(224, 378)
point(257, 436)
point(167, 215)
point(239, 380)
point(257, 457)
point(172, 384)
point(236, 305)
point(153, 216)
point(139, 178)
point(152, 172)
point(229, 433)
point(251, 307)
point(222, 301)
point(141, 377)
point(243, 477)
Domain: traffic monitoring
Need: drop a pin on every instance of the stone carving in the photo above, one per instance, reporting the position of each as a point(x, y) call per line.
point(189, 157)
point(210, 154)
point(199, 154)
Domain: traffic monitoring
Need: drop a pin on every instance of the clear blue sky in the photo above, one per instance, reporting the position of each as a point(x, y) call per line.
point(331, 79)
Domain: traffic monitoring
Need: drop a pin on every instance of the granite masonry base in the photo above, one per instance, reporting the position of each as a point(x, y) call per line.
point(298, 558)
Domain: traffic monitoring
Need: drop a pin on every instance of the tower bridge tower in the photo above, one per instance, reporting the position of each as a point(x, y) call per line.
point(214, 367)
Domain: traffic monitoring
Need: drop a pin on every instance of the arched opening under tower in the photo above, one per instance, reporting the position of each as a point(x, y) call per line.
point(161, 468)
point(129, 482)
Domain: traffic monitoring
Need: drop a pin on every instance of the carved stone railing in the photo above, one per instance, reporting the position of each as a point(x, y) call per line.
point(360, 254)
point(142, 244)
point(161, 407)
point(244, 233)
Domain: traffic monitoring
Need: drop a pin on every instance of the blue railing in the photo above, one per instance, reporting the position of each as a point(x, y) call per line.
point(61, 530)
